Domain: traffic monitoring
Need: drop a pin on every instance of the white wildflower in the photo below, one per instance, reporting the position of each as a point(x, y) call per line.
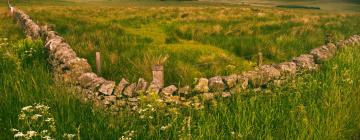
point(26, 108)
point(69, 136)
point(36, 116)
point(14, 130)
point(31, 134)
point(47, 138)
point(166, 127)
point(22, 116)
point(49, 119)
point(19, 135)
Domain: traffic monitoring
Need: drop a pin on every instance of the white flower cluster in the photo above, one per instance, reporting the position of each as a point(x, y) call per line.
point(165, 127)
point(36, 122)
point(145, 113)
point(128, 135)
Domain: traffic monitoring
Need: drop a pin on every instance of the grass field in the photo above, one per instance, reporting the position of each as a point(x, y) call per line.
point(201, 40)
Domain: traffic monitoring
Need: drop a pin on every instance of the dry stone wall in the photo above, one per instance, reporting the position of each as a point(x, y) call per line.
point(76, 71)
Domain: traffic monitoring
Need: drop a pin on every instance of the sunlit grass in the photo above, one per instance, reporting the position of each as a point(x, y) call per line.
point(319, 105)
point(125, 34)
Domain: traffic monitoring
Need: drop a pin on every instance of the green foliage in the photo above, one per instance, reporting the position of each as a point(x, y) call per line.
point(27, 51)
point(319, 105)
point(200, 41)
point(313, 106)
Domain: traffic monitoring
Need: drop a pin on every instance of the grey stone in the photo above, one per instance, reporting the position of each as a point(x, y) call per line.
point(78, 66)
point(202, 85)
point(323, 53)
point(216, 83)
point(169, 90)
point(120, 87)
point(141, 86)
point(268, 73)
point(262, 75)
point(254, 78)
point(231, 80)
point(107, 87)
point(129, 91)
point(184, 91)
point(111, 99)
point(64, 54)
point(120, 103)
point(286, 68)
point(243, 82)
point(90, 80)
point(340, 44)
point(305, 62)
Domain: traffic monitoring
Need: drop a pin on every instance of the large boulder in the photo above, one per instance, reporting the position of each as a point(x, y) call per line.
point(305, 62)
point(202, 85)
point(120, 87)
point(169, 90)
point(90, 80)
point(107, 87)
point(216, 84)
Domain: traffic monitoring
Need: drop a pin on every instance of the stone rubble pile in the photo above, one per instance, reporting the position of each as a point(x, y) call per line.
point(71, 69)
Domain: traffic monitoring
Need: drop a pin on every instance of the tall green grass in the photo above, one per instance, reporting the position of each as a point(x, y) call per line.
point(202, 41)
point(320, 105)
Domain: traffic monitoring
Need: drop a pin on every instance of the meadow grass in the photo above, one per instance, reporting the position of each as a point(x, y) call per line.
point(319, 105)
point(201, 40)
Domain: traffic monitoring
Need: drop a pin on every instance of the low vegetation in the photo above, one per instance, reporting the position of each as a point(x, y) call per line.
point(321, 105)
point(200, 41)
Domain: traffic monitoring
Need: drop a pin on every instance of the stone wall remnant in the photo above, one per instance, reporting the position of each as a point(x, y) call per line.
point(76, 72)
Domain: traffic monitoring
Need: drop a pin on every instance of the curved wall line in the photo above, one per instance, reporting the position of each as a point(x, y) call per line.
point(75, 71)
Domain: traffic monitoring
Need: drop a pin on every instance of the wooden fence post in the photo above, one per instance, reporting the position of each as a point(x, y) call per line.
point(158, 75)
point(260, 59)
point(98, 63)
